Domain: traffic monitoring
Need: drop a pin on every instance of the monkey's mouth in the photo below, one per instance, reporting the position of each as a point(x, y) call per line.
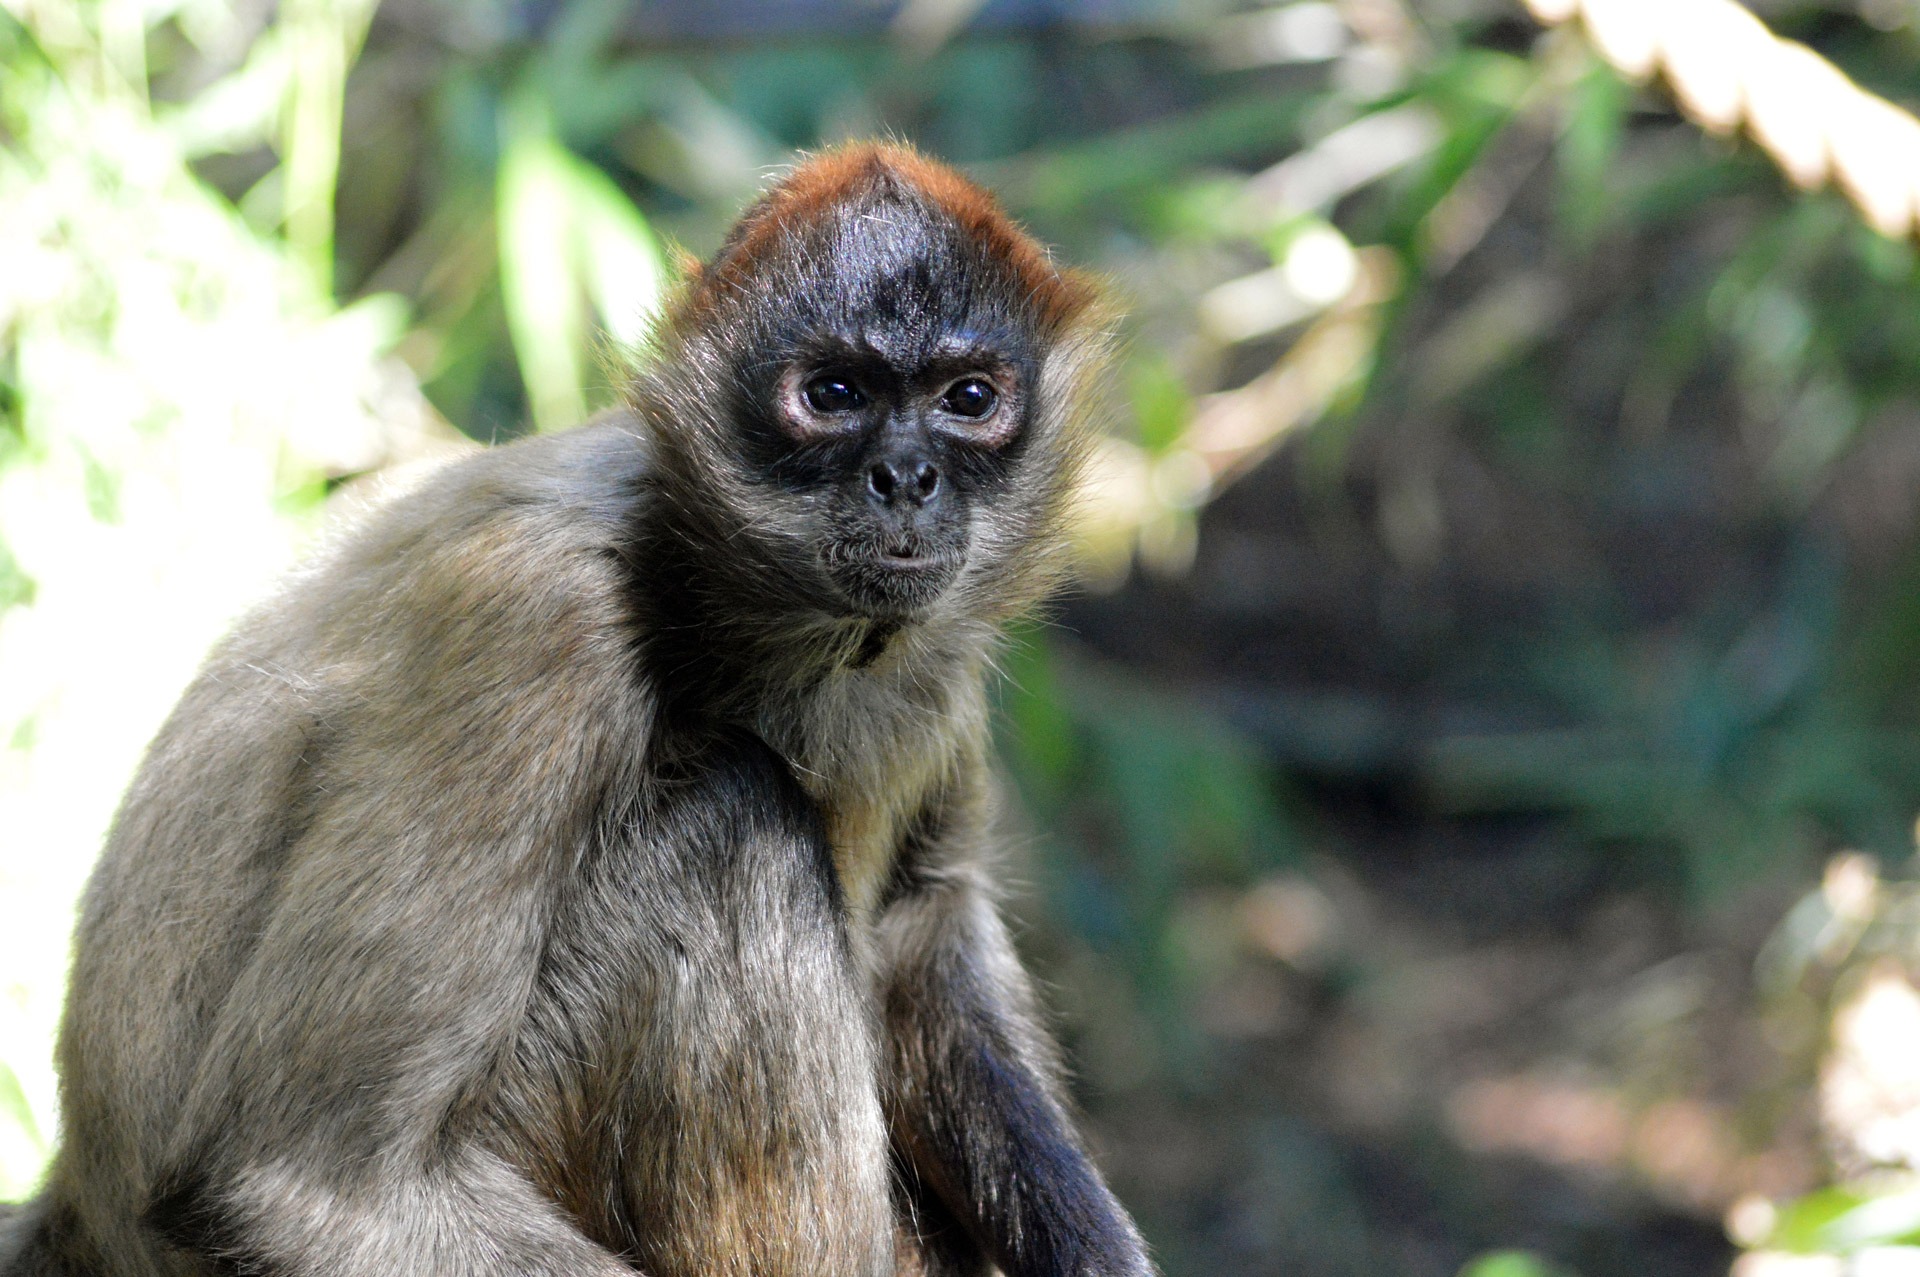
point(907, 556)
point(893, 576)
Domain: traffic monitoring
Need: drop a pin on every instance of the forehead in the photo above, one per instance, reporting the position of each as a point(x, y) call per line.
point(901, 276)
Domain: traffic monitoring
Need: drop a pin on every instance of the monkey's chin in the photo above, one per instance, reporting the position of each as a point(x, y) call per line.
point(895, 587)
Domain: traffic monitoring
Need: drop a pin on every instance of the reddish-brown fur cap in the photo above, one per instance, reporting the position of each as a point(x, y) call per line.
point(846, 173)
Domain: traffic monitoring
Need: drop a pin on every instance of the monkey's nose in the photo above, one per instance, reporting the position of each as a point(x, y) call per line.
point(915, 481)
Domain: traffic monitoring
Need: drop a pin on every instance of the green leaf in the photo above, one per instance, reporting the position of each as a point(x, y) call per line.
point(1890, 1217)
point(23, 1148)
point(619, 259)
point(13, 1103)
point(1511, 1263)
point(1802, 1225)
point(536, 278)
point(568, 237)
point(1589, 147)
point(1161, 404)
point(240, 110)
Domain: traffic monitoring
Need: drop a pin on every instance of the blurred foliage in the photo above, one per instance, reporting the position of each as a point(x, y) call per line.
point(1162, 800)
point(1839, 973)
point(1511, 1263)
point(1492, 449)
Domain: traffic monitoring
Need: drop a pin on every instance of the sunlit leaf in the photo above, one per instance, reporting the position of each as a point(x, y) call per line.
point(23, 1145)
point(323, 37)
point(618, 256)
point(13, 1103)
point(1512, 1263)
point(545, 314)
point(1878, 1220)
point(172, 373)
point(1804, 1225)
point(568, 238)
point(241, 109)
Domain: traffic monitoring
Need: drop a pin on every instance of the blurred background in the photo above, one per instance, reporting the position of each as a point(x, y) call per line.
point(1465, 817)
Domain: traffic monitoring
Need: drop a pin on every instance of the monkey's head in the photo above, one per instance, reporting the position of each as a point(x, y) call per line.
point(867, 399)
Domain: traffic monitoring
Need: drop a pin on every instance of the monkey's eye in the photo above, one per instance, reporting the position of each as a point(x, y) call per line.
point(973, 397)
point(829, 393)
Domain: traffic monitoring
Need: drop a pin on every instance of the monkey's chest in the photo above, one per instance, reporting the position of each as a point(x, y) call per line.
point(870, 749)
point(725, 1116)
point(865, 838)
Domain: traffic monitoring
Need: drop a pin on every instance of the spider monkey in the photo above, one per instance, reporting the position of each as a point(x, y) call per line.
point(582, 869)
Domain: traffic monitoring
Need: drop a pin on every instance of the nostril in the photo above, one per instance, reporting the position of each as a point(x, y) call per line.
point(880, 481)
point(926, 479)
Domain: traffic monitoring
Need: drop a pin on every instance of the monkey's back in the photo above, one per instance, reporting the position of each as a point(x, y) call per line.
point(347, 709)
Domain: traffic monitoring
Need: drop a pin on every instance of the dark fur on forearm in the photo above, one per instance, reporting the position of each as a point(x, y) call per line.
point(972, 1077)
point(578, 869)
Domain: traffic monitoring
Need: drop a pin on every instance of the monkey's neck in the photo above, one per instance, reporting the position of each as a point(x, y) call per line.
point(873, 644)
point(737, 646)
point(873, 714)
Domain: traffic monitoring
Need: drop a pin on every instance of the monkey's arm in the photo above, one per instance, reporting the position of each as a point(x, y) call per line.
point(971, 1090)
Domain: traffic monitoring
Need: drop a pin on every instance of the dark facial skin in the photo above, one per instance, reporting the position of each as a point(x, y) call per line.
point(901, 455)
point(894, 403)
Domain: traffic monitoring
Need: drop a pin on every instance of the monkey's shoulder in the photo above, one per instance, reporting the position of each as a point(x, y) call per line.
point(535, 503)
point(489, 595)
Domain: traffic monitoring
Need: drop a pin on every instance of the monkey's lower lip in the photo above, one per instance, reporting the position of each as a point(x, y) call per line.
point(895, 561)
point(911, 556)
point(893, 580)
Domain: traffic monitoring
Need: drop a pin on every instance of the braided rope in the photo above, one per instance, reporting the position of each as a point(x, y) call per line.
point(1728, 70)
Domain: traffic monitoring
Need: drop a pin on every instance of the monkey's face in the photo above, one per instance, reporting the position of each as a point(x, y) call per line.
point(889, 403)
point(893, 457)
